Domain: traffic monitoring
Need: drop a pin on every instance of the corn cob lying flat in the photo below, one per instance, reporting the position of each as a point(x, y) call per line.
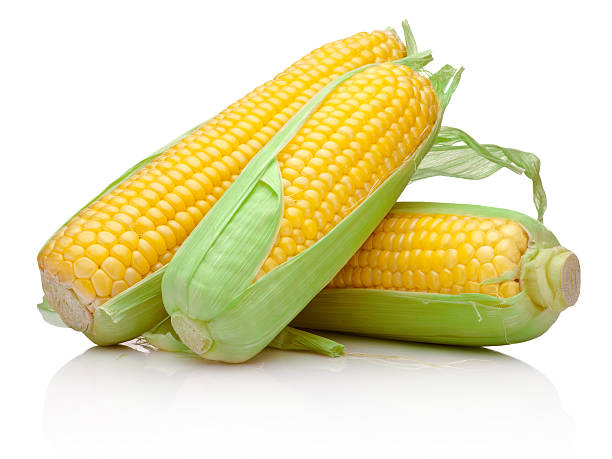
point(133, 230)
point(290, 224)
point(453, 274)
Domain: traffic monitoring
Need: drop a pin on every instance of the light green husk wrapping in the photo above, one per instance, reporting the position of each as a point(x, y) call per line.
point(469, 319)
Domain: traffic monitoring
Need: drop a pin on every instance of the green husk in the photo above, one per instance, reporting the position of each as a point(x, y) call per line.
point(466, 319)
point(238, 329)
point(411, 46)
point(50, 315)
point(456, 154)
point(293, 339)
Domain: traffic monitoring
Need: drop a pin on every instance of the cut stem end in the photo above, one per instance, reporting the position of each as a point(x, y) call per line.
point(570, 279)
point(72, 312)
point(192, 332)
point(552, 278)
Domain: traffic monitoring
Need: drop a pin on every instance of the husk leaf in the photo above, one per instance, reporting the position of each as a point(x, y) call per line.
point(50, 315)
point(456, 154)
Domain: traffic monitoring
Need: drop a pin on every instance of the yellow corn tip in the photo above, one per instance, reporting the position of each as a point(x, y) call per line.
point(135, 229)
point(448, 254)
point(359, 136)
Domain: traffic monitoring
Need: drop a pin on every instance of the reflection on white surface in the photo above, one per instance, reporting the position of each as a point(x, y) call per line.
point(383, 396)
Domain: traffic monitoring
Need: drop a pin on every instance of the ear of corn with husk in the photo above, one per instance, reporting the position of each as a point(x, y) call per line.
point(451, 274)
point(208, 289)
point(101, 271)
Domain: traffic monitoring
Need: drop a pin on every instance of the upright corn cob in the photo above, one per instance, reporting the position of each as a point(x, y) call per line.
point(449, 273)
point(290, 224)
point(133, 230)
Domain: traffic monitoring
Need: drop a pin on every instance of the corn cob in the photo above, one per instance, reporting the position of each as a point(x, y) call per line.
point(136, 227)
point(448, 254)
point(358, 137)
point(453, 274)
point(330, 175)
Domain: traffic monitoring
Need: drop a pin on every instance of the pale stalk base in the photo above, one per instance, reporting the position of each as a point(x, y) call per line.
point(552, 278)
point(570, 279)
point(193, 333)
point(74, 313)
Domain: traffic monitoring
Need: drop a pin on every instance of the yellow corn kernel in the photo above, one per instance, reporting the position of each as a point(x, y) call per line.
point(132, 276)
point(118, 287)
point(114, 268)
point(473, 269)
point(122, 253)
point(472, 287)
point(140, 263)
point(503, 264)
point(490, 289)
point(102, 283)
point(73, 252)
point(97, 253)
point(84, 268)
point(65, 272)
point(509, 288)
point(84, 290)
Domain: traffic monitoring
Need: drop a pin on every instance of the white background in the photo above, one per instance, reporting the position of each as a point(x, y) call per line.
point(89, 88)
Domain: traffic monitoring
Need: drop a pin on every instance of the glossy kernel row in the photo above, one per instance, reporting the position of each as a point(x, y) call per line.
point(438, 253)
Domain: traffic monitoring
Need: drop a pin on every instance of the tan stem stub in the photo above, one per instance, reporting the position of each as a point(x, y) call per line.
point(552, 278)
point(192, 332)
point(570, 280)
point(66, 304)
